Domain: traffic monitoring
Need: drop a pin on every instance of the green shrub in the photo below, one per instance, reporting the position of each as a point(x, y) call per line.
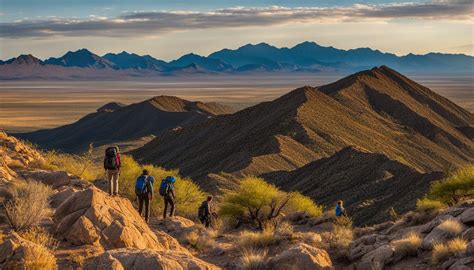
point(454, 188)
point(258, 201)
point(188, 195)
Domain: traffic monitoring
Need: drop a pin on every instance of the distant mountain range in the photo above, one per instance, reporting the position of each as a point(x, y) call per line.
point(262, 57)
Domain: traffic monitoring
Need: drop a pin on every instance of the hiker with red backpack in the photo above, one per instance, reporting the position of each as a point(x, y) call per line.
point(112, 168)
point(167, 191)
point(144, 192)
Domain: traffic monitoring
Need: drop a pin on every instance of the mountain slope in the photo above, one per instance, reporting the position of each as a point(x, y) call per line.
point(126, 60)
point(115, 122)
point(204, 62)
point(369, 183)
point(80, 58)
point(378, 110)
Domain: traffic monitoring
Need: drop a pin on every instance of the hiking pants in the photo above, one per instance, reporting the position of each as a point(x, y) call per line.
point(112, 176)
point(206, 221)
point(144, 199)
point(170, 201)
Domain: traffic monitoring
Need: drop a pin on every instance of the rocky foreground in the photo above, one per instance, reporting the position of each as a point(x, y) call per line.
point(96, 231)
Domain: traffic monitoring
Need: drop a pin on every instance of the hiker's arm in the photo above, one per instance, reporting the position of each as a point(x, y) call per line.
point(172, 192)
point(150, 188)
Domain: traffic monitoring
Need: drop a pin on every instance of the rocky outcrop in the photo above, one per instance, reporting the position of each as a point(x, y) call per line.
point(91, 217)
point(54, 179)
point(18, 253)
point(439, 235)
point(129, 258)
point(303, 257)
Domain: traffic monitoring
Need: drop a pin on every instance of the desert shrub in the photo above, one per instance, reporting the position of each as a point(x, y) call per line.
point(455, 187)
point(443, 251)
point(188, 195)
point(408, 245)
point(82, 166)
point(284, 230)
point(311, 238)
point(28, 205)
point(253, 259)
point(258, 201)
point(257, 240)
point(451, 225)
point(392, 213)
point(41, 237)
point(200, 242)
point(337, 241)
point(428, 205)
point(35, 258)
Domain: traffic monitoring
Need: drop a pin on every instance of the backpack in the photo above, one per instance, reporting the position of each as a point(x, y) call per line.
point(141, 187)
point(164, 188)
point(202, 210)
point(111, 157)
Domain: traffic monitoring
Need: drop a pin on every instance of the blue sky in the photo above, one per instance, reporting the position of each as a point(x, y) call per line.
point(167, 29)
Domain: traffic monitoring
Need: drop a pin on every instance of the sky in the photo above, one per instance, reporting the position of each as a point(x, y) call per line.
point(167, 29)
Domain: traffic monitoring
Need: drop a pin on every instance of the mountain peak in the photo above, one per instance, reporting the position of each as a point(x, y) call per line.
point(110, 107)
point(25, 59)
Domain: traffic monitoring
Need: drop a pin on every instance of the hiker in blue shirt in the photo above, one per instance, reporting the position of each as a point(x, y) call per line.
point(340, 210)
point(144, 191)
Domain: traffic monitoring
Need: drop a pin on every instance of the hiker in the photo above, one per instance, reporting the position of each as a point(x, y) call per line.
point(167, 191)
point(144, 191)
point(340, 210)
point(112, 168)
point(205, 212)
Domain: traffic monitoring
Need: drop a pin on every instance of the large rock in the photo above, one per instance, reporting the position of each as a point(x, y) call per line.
point(365, 244)
point(91, 217)
point(468, 234)
point(50, 178)
point(437, 235)
point(377, 259)
point(131, 259)
point(18, 253)
point(302, 257)
point(467, 217)
point(463, 264)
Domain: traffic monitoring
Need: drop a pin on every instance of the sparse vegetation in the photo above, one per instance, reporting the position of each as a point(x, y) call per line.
point(41, 237)
point(201, 242)
point(258, 201)
point(82, 166)
point(188, 195)
point(393, 214)
point(34, 258)
point(311, 238)
point(28, 205)
point(257, 240)
point(253, 259)
point(454, 188)
point(408, 245)
point(428, 205)
point(443, 251)
point(338, 240)
point(451, 225)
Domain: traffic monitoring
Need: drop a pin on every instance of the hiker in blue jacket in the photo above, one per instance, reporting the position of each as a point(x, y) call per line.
point(340, 210)
point(167, 191)
point(144, 191)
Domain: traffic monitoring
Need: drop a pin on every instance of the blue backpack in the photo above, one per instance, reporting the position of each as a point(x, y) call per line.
point(141, 185)
point(166, 184)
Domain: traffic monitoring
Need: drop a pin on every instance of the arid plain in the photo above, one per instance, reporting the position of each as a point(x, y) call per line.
point(32, 105)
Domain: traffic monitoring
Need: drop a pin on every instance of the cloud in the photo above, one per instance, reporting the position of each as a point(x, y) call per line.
point(142, 23)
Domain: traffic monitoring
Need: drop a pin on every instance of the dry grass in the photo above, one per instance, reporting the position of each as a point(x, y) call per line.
point(34, 258)
point(41, 237)
point(29, 204)
point(257, 240)
point(337, 241)
point(428, 205)
point(451, 225)
point(311, 238)
point(16, 164)
point(443, 251)
point(200, 243)
point(252, 259)
point(408, 245)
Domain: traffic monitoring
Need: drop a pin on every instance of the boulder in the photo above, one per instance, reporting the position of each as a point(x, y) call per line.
point(467, 217)
point(437, 235)
point(302, 257)
point(428, 227)
point(59, 197)
point(92, 217)
point(18, 253)
point(129, 258)
point(463, 264)
point(365, 244)
point(50, 178)
point(377, 259)
point(468, 234)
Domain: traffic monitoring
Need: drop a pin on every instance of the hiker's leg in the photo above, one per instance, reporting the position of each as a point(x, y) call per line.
point(166, 207)
point(172, 207)
point(147, 208)
point(140, 205)
point(109, 180)
point(116, 176)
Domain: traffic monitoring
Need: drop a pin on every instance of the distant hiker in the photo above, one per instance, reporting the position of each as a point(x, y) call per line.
point(144, 191)
point(167, 191)
point(340, 210)
point(112, 168)
point(205, 212)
